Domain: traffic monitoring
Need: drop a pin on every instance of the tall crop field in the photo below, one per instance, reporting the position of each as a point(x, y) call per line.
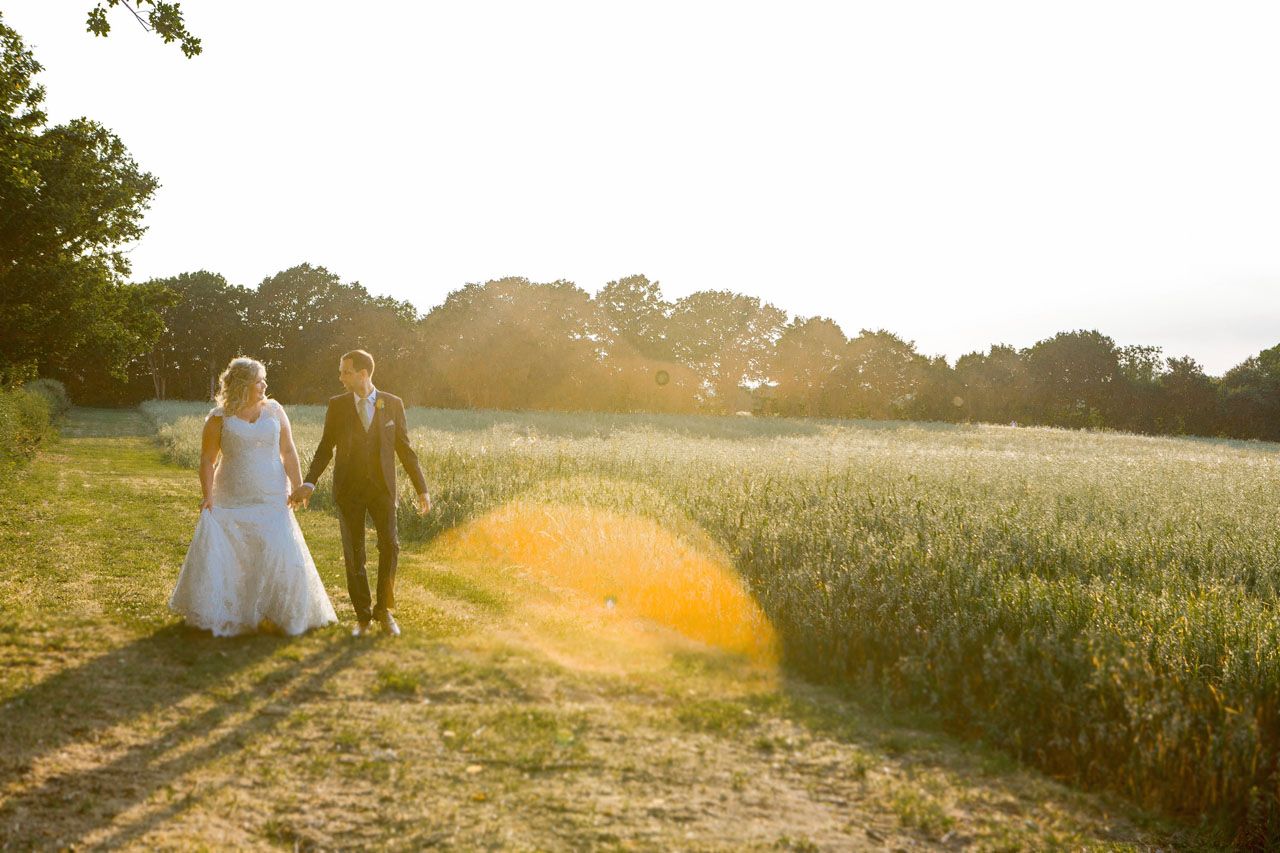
point(1102, 604)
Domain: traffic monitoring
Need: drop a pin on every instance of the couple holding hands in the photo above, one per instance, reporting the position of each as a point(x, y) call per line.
point(248, 565)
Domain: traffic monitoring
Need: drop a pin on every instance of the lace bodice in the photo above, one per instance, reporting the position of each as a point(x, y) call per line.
point(250, 471)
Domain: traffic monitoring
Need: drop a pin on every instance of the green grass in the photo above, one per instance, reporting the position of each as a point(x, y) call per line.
point(1101, 604)
point(716, 716)
point(524, 738)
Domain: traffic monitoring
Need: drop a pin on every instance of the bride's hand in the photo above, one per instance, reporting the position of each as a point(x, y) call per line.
point(207, 503)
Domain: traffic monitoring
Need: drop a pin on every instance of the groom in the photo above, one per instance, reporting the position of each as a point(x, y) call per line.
point(367, 428)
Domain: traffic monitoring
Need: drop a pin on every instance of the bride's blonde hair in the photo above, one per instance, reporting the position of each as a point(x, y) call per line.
point(235, 382)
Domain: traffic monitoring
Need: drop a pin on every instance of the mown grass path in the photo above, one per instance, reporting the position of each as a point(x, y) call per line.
point(509, 716)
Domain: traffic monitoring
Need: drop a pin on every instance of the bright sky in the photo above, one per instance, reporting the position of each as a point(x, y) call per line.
point(959, 173)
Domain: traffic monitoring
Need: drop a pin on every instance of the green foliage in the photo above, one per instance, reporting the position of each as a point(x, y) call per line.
point(1251, 396)
point(1074, 376)
point(513, 343)
point(304, 318)
point(805, 360)
point(727, 339)
point(164, 19)
point(879, 376)
point(55, 394)
point(206, 324)
point(637, 315)
point(26, 423)
point(72, 197)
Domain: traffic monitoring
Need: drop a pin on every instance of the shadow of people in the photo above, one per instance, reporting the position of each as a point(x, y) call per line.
point(74, 764)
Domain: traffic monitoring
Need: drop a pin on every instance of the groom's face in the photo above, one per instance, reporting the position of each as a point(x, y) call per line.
point(351, 379)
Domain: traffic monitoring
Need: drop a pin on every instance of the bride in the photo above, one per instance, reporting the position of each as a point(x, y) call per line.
point(248, 565)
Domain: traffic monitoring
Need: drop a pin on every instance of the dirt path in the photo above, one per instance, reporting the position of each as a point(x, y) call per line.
point(510, 716)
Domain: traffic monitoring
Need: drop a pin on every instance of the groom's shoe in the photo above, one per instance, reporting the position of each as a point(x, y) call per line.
point(389, 624)
point(361, 629)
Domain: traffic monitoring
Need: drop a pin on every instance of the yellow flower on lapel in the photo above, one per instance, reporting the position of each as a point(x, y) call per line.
point(380, 404)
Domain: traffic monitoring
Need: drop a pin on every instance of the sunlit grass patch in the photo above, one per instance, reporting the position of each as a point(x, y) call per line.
point(456, 586)
point(716, 716)
point(524, 738)
point(396, 681)
point(918, 809)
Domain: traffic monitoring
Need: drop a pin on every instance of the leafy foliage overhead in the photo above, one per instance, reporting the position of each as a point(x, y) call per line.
point(72, 197)
point(161, 17)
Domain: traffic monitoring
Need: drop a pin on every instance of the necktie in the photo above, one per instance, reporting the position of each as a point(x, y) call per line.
point(365, 417)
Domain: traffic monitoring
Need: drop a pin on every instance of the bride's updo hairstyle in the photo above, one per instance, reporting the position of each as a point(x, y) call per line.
point(236, 381)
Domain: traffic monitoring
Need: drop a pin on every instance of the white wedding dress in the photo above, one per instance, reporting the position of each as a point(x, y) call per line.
point(248, 562)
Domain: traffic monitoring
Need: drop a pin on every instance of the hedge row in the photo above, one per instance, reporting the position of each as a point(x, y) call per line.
point(28, 416)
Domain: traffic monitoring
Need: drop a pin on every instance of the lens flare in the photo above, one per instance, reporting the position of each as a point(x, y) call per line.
point(628, 565)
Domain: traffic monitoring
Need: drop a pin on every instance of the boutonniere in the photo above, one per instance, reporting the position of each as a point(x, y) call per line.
point(380, 404)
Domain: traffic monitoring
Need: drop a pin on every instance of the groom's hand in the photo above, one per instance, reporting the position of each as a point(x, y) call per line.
point(301, 495)
point(424, 503)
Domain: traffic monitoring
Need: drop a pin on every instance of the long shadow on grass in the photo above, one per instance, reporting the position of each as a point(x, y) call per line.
point(74, 712)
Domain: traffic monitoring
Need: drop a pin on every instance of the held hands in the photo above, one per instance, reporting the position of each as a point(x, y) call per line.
point(301, 496)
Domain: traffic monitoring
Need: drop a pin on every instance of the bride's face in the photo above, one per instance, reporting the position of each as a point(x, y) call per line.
point(258, 391)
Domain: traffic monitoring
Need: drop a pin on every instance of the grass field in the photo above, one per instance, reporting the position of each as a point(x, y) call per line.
point(517, 712)
point(1101, 604)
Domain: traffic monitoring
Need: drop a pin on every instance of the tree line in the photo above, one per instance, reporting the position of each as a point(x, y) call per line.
point(71, 197)
point(515, 344)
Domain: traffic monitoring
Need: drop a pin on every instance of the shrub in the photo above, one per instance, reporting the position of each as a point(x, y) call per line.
point(55, 393)
point(25, 422)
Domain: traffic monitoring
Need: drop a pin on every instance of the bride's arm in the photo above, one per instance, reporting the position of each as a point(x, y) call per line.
point(210, 447)
point(289, 452)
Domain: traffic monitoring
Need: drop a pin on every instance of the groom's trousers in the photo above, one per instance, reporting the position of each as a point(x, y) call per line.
point(352, 510)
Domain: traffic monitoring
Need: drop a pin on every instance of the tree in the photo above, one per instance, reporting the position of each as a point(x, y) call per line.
point(1073, 377)
point(879, 375)
point(163, 18)
point(70, 196)
point(727, 339)
point(636, 314)
point(1188, 398)
point(205, 326)
point(992, 387)
point(1251, 397)
point(514, 344)
point(936, 396)
point(389, 329)
point(1137, 393)
point(106, 374)
point(306, 318)
point(805, 359)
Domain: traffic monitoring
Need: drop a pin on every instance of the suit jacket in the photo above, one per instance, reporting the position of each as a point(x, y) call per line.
point(344, 434)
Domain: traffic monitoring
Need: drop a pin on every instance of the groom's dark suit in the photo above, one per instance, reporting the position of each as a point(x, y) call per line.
point(364, 481)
